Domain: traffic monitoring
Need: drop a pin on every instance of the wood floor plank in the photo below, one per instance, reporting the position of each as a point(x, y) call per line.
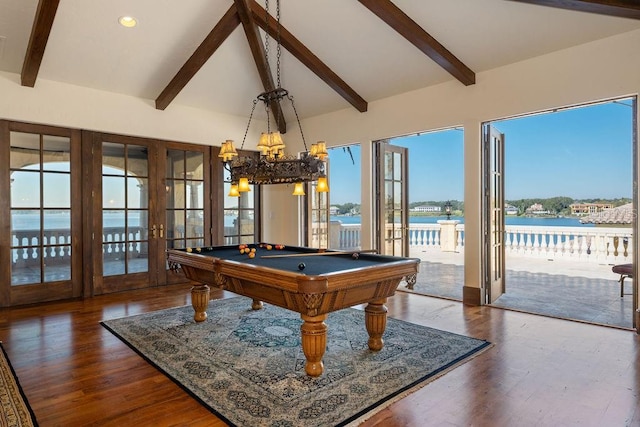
point(541, 371)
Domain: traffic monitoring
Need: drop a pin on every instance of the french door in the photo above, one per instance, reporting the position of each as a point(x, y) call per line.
point(148, 196)
point(494, 223)
point(40, 225)
point(393, 201)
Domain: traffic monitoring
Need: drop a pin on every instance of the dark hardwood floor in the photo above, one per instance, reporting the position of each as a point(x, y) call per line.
point(541, 371)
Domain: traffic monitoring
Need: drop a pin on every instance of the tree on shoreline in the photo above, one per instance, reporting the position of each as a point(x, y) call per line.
point(560, 205)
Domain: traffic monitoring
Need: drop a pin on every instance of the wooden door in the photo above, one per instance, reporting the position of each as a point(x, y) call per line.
point(494, 224)
point(149, 196)
point(393, 201)
point(40, 217)
point(184, 203)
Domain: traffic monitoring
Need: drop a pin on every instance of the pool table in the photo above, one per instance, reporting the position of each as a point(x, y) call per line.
point(309, 281)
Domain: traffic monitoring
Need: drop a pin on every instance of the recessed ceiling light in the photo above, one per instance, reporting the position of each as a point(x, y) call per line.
point(128, 21)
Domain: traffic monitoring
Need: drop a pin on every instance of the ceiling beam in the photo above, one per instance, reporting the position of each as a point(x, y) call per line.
point(42, 24)
point(257, 50)
point(304, 55)
point(411, 31)
point(620, 8)
point(227, 24)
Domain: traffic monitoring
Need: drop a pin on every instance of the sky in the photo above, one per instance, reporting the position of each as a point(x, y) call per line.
point(581, 153)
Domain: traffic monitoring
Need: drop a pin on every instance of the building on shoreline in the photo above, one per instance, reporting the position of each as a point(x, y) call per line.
point(589, 208)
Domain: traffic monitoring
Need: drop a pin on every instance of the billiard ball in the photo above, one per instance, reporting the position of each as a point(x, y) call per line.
point(301, 266)
point(355, 255)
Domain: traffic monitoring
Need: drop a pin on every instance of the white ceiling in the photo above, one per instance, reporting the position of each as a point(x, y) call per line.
point(87, 46)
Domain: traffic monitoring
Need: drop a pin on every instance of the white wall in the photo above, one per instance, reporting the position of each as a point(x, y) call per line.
point(66, 105)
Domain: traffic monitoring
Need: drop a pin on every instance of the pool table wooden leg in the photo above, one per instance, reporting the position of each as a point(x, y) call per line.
point(375, 318)
point(200, 302)
point(314, 343)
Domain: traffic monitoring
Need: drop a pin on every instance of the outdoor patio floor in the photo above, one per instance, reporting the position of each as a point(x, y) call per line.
point(561, 289)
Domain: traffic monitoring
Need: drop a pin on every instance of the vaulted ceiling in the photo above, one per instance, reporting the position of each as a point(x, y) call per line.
point(336, 54)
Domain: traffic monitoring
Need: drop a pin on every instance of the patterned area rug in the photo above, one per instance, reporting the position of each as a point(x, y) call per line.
point(14, 408)
point(248, 366)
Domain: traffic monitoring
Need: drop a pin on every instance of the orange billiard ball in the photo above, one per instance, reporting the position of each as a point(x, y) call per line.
point(252, 254)
point(269, 247)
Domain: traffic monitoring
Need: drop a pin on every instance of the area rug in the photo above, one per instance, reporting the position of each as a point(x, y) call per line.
point(14, 408)
point(248, 367)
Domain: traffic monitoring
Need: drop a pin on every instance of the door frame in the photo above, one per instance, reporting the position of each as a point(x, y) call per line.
point(49, 291)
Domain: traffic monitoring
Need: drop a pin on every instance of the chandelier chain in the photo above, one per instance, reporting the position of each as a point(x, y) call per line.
point(246, 131)
point(266, 33)
point(298, 120)
point(278, 49)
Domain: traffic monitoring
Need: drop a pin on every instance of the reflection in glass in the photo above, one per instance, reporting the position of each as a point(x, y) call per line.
point(112, 259)
point(40, 236)
point(195, 191)
point(24, 273)
point(388, 166)
point(58, 271)
point(138, 264)
point(137, 193)
point(388, 191)
point(177, 196)
point(25, 150)
point(397, 166)
point(113, 192)
point(57, 225)
point(177, 220)
point(112, 158)
point(137, 163)
point(56, 153)
point(56, 190)
point(112, 224)
point(195, 162)
point(397, 195)
point(137, 222)
point(25, 189)
point(195, 223)
point(27, 220)
point(175, 164)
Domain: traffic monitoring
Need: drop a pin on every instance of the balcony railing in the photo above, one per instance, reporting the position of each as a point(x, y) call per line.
point(57, 244)
point(594, 244)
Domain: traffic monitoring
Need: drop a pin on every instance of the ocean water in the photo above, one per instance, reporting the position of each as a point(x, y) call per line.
point(509, 220)
point(30, 221)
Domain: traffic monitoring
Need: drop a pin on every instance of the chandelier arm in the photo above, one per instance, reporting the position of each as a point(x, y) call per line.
point(246, 131)
point(290, 98)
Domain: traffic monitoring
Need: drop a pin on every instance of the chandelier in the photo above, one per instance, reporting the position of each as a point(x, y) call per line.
point(273, 166)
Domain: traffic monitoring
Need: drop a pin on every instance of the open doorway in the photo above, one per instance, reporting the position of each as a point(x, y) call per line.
point(436, 210)
point(345, 221)
point(569, 208)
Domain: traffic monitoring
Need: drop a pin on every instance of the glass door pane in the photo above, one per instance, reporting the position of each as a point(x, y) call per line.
point(125, 209)
point(394, 209)
point(185, 208)
point(240, 217)
point(40, 168)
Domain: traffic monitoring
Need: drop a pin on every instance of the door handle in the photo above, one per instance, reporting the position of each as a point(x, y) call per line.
point(161, 231)
point(153, 231)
